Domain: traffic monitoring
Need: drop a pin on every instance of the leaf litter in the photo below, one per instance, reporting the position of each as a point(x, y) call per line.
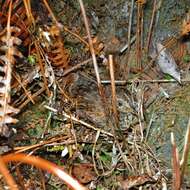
point(73, 123)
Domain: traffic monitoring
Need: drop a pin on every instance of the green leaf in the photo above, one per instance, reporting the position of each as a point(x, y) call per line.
point(167, 77)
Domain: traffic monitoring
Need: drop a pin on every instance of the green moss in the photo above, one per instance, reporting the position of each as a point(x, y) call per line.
point(186, 58)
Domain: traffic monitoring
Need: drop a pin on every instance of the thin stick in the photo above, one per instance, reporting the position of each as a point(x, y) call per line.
point(138, 34)
point(80, 121)
point(90, 44)
point(42, 69)
point(130, 24)
point(86, 124)
point(176, 165)
point(100, 87)
point(125, 47)
point(43, 143)
point(29, 11)
point(51, 12)
point(186, 149)
point(76, 35)
point(17, 77)
point(150, 32)
point(114, 98)
point(67, 71)
point(124, 82)
point(33, 97)
point(142, 28)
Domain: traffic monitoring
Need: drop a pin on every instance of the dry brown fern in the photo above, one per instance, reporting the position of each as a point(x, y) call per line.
point(18, 19)
point(7, 59)
point(57, 53)
point(54, 47)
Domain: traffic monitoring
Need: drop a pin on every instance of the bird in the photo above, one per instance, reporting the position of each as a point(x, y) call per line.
point(167, 63)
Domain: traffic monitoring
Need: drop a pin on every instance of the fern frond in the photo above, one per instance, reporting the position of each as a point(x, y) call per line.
point(54, 46)
point(7, 60)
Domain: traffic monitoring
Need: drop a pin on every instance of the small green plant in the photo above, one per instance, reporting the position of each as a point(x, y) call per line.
point(56, 148)
point(106, 157)
point(31, 59)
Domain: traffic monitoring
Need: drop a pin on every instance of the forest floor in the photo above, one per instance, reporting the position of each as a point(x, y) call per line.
point(106, 143)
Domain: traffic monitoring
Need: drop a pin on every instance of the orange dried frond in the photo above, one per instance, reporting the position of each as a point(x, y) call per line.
point(185, 28)
point(45, 165)
point(58, 55)
point(18, 18)
point(54, 46)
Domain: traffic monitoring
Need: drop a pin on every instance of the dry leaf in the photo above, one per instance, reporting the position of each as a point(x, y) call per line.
point(167, 63)
point(84, 172)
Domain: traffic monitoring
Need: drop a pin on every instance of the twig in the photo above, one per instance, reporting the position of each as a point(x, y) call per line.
point(33, 97)
point(125, 47)
point(92, 50)
point(43, 143)
point(124, 82)
point(80, 121)
point(138, 34)
point(93, 153)
point(90, 44)
point(27, 6)
point(76, 36)
point(51, 12)
point(17, 77)
point(149, 126)
point(42, 67)
point(186, 150)
point(114, 98)
point(129, 28)
point(86, 124)
point(176, 165)
point(151, 26)
point(140, 97)
point(67, 71)
point(52, 96)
